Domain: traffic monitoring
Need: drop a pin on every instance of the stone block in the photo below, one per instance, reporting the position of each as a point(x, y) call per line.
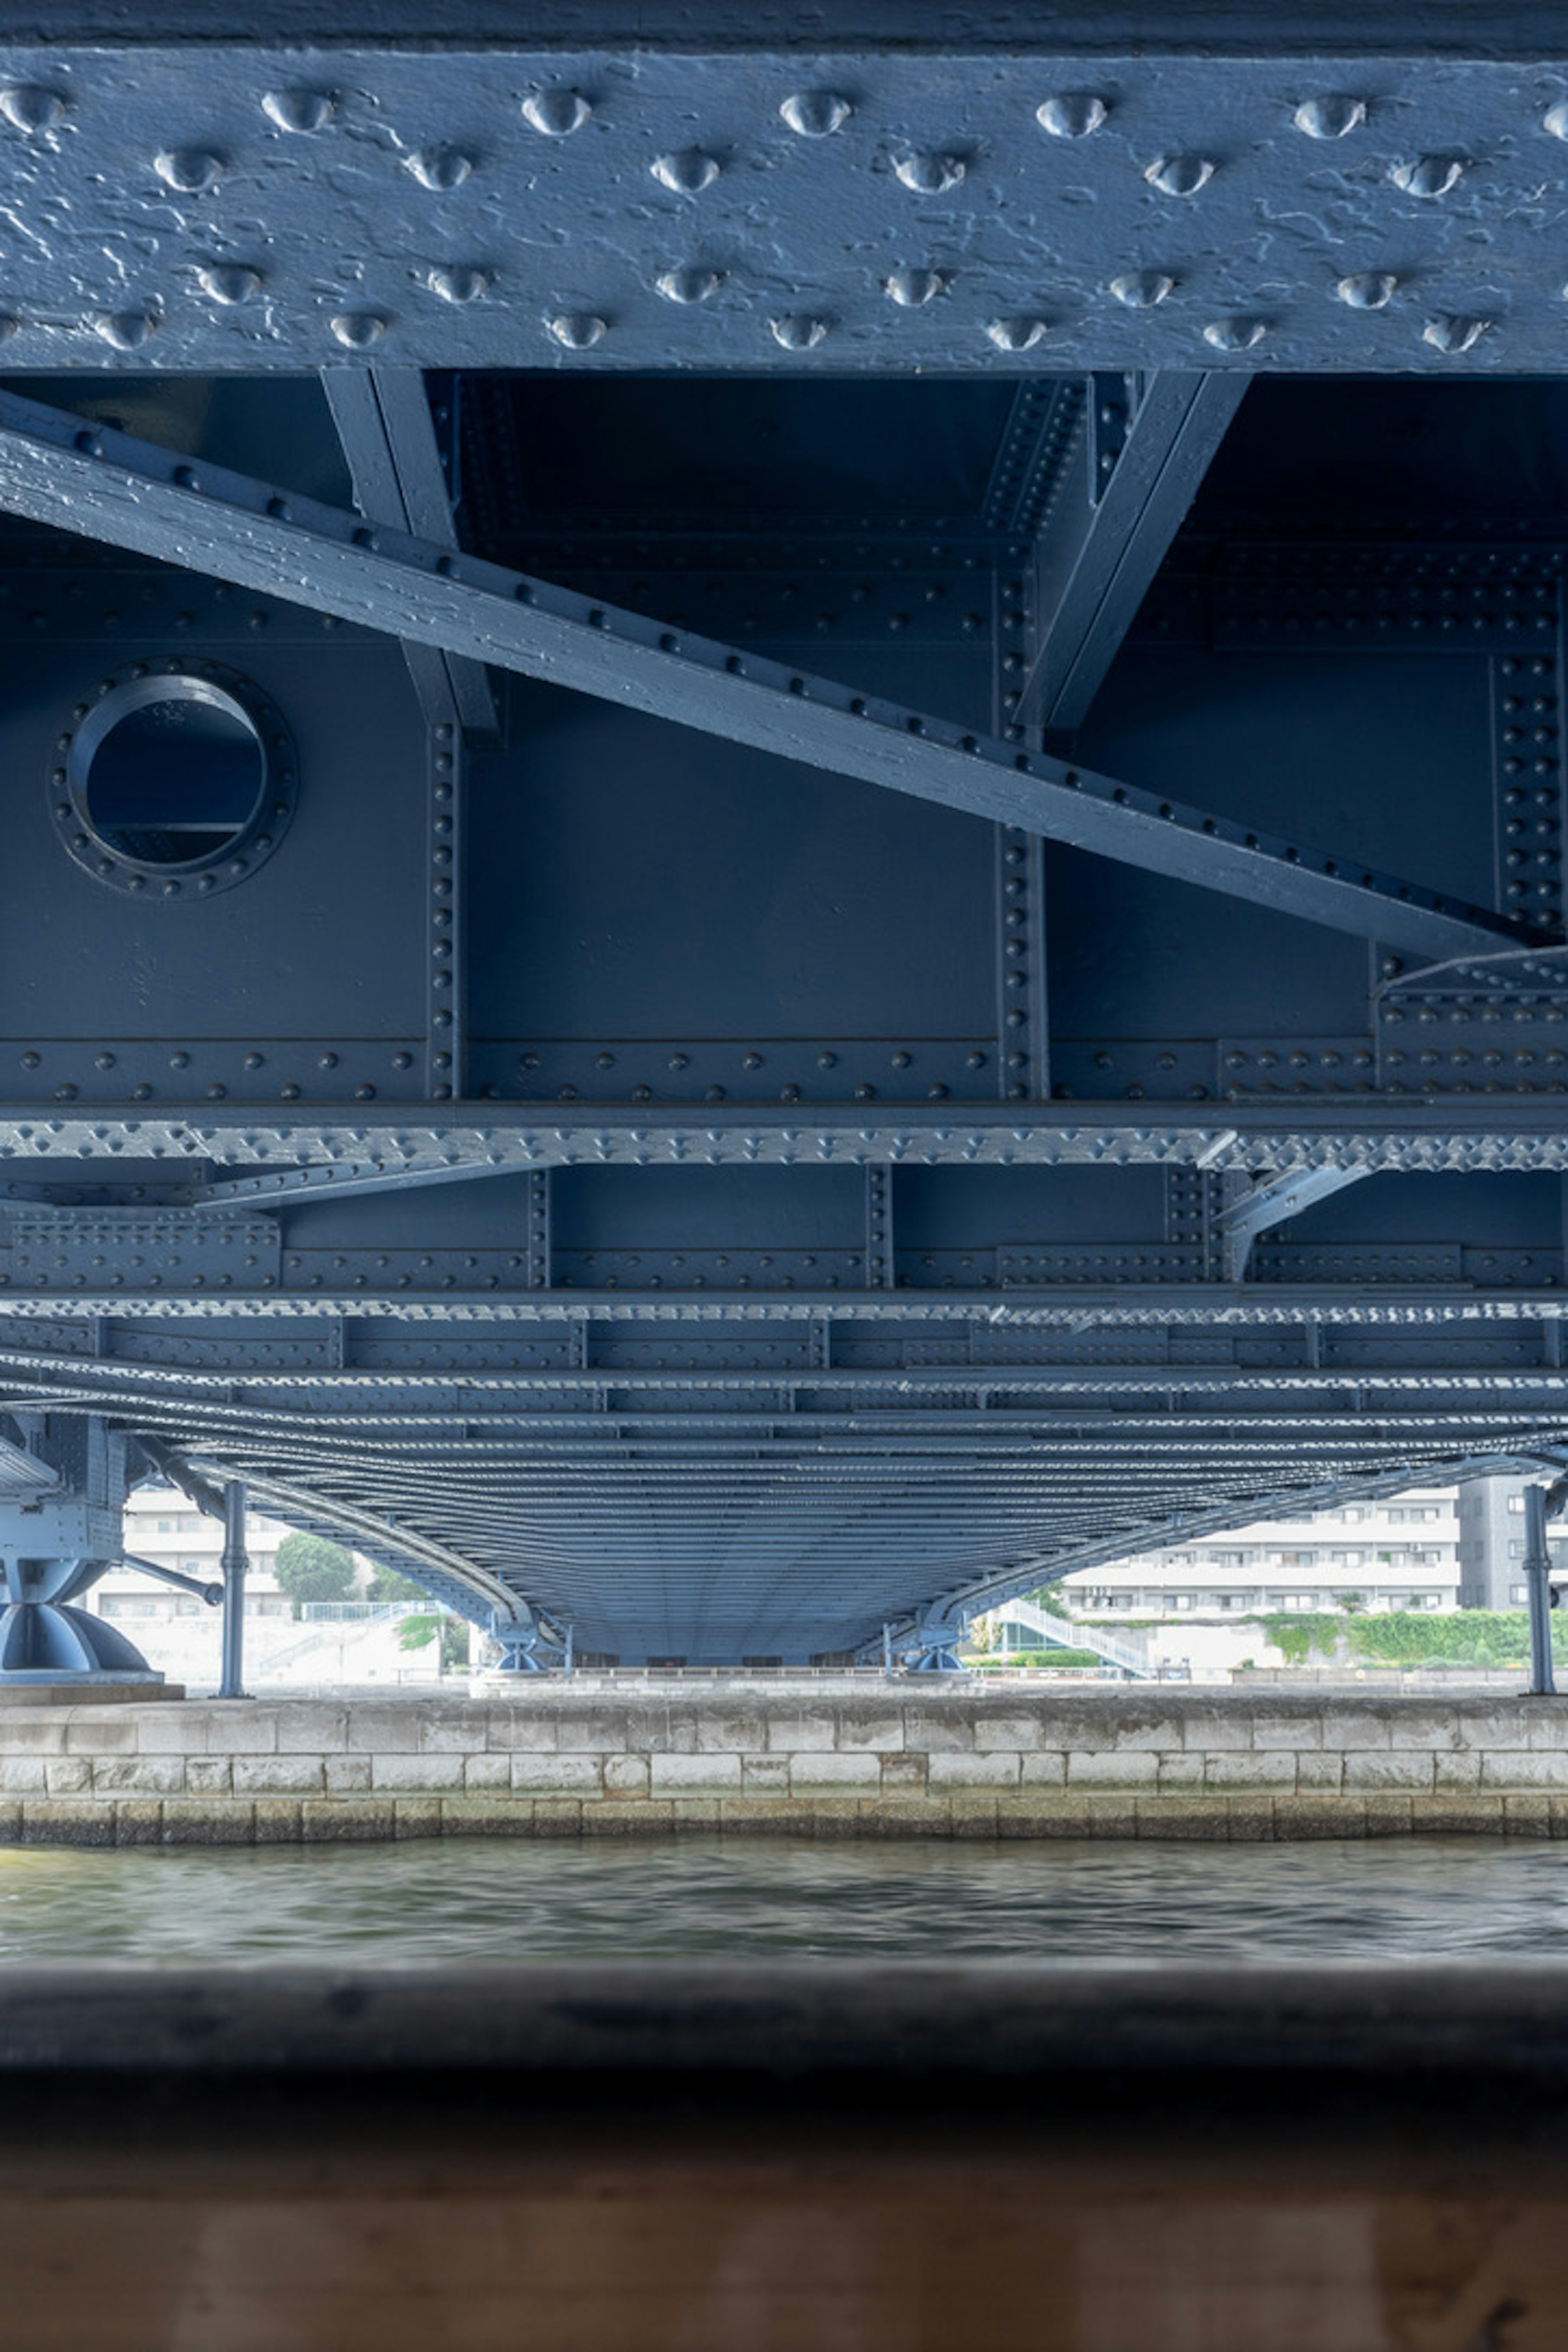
point(101, 1731)
point(32, 1731)
point(766, 1817)
point(417, 1817)
point(1368, 1768)
point(1415, 1724)
point(192, 1821)
point(871, 1725)
point(312, 1727)
point(628, 1776)
point(1527, 1816)
point(838, 1817)
point(1046, 1770)
point(1320, 1772)
point(279, 1776)
point(817, 1773)
point(130, 1776)
point(487, 1775)
point(731, 1731)
point(522, 1724)
point(500, 1817)
point(453, 1727)
point(696, 1813)
point(137, 1821)
point(1458, 1768)
point(906, 1817)
point(66, 1822)
point(1249, 1821)
point(1525, 1769)
point(1211, 1727)
point(72, 1776)
point(534, 1775)
point(1271, 1768)
point(1128, 1725)
point(1203, 1820)
point(617, 1817)
point(210, 1776)
point(954, 1775)
point(347, 1775)
point(1319, 1817)
point(1456, 1815)
point(761, 1776)
point(692, 1776)
point(347, 1820)
point(1351, 1724)
point(1557, 1813)
point(387, 1728)
point(1066, 1818)
point(1548, 1725)
point(239, 1728)
point(796, 1727)
point(280, 1820)
point(22, 1776)
point(11, 1831)
point(1489, 1723)
point(1089, 1768)
point(1008, 1735)
point(421, 1773)
point(1291, 1729)
point(1179, 1770)
point(555, 1817)
point(1112, 1813)
point(934, 1728)
point(173, 1730)
point(1388, 1815)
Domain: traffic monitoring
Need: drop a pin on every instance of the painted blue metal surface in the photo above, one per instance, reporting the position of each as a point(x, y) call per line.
point(772, 1056)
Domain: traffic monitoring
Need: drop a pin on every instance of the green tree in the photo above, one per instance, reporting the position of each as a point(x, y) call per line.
point(310, 1568)
point(387, 1585)
point(419, 1632)
point(1352, 1603)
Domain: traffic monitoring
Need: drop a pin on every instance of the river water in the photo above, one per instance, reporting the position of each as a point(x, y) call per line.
point(1458, 1898)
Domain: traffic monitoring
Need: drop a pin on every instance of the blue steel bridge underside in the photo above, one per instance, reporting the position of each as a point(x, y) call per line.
point(904, 925)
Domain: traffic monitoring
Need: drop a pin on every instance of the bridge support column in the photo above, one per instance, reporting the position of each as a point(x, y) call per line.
point(1538, 1585)
point(935, 1649)
point(235, 1562)
point(61, 1529)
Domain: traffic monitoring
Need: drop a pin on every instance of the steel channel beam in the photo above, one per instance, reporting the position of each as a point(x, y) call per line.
point(109, 486)
point(1108, 531)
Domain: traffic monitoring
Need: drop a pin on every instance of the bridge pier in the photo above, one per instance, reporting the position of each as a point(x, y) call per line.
point(60, 1529)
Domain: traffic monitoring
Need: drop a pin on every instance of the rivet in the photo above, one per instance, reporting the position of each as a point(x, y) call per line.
point(1074, 115)
point(300, 110)
point(816, 113)
point(127, 331)
point(1330, 118)
point(31, 108)
point(1017, 335)
point(1455, 335)
point(556, 113)
point(358, 330)
point(1180, 176)
point(188, 169)
point(1369, 289)
point(1141, 289)
point(797, 334)
point(1235, 334)
point(577, 331)
point(228, 283)
point(439, 168)
point(931, 175)
point(688, 286)
point(1429, 175)
point(687, 174)
point(912, 287)
point(455, 285)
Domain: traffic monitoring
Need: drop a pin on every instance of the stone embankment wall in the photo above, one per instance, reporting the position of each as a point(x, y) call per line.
point(931, 1762)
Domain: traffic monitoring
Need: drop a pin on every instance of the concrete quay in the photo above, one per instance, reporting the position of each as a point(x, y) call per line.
point(549, 1761)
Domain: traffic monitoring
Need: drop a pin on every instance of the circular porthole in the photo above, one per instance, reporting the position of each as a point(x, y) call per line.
point(177, 779)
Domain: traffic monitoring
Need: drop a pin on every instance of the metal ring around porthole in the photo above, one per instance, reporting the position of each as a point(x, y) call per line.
point(176, 779)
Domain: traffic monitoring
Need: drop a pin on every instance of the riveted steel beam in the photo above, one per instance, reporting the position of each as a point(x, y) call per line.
point(912, 179)
point(110, 486)
point(1133, 469)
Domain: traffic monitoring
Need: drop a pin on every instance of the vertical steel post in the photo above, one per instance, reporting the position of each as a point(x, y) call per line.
point(235, 1564)
point(1537, 1577)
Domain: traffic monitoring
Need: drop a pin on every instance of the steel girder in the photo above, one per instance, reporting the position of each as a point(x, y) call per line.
point(678, 1114)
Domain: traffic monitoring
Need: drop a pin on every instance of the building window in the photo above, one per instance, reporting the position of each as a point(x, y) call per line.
point(1516, 1547)
point(1516, 1594)
point(1516, 1505)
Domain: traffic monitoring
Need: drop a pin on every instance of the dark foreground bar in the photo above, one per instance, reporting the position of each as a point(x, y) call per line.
point(712, 2159)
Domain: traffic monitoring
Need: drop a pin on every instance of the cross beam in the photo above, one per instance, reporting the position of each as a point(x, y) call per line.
point(109, 486)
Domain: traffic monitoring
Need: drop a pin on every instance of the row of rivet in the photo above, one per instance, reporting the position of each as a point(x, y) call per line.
point(1528, 760)
point(444, 1046)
